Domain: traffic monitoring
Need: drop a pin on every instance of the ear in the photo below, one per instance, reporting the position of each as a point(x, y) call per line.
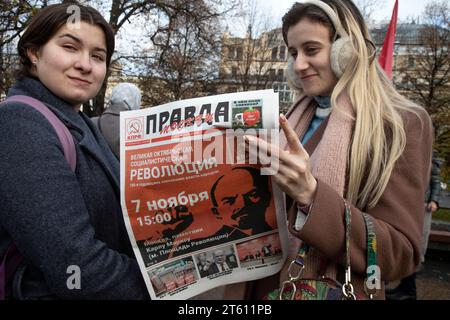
point(33, 55)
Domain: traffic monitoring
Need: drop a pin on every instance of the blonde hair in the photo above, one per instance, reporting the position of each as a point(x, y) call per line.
point(379, 137)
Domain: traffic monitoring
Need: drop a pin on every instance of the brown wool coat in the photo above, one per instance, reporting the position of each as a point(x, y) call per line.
point(398, 219)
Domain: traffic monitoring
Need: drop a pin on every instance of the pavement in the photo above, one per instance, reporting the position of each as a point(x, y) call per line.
point(433, 281)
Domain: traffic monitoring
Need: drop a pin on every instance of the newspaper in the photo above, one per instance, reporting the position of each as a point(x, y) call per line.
point(198, 215)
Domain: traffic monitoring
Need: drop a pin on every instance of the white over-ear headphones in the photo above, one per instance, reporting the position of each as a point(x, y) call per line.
point(341, 49)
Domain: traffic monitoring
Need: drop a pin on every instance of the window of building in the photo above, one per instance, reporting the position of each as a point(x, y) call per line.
point(231, 52)
point(272, 39)
point(272, 74)
point(285, 94)
point(282, 53)
point(280, 75)
point(239, 53)
point(274, 53)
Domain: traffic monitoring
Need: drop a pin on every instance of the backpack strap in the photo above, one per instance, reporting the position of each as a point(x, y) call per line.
point(10, 263)
point(64, 135)
point(12, 258)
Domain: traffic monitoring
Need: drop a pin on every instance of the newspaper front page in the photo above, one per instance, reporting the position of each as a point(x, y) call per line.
point(198, 214)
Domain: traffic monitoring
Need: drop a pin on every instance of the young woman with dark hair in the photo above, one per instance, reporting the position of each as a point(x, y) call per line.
point(66, 223)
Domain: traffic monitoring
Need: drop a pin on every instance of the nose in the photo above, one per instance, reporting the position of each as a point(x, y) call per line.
point(239, 203)
point(83, 62)
point(300, 63)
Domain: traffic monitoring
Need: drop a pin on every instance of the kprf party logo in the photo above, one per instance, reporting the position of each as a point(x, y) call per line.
point(134, 128)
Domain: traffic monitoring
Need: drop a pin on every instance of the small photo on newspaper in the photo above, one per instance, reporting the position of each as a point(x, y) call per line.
point(197, 216)
point(247, 114)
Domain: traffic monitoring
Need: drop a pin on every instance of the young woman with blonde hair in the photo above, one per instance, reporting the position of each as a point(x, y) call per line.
point(349, 141)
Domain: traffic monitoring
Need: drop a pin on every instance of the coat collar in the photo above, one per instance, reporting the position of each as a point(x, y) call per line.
point(80, 126)
point(34, 88)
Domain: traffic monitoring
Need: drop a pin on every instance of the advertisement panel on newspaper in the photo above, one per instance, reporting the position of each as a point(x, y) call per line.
point(200, 215)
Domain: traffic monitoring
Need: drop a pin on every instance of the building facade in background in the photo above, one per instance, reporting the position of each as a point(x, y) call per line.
point(254, 64)
point(238, 71)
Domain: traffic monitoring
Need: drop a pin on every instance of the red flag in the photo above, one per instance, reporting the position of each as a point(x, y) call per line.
point(386, 59)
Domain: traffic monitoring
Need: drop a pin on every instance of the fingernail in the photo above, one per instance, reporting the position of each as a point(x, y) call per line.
point(248, 138)
point(282, 118)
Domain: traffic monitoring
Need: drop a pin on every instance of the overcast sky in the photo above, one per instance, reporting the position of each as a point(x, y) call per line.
point(406, 8)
